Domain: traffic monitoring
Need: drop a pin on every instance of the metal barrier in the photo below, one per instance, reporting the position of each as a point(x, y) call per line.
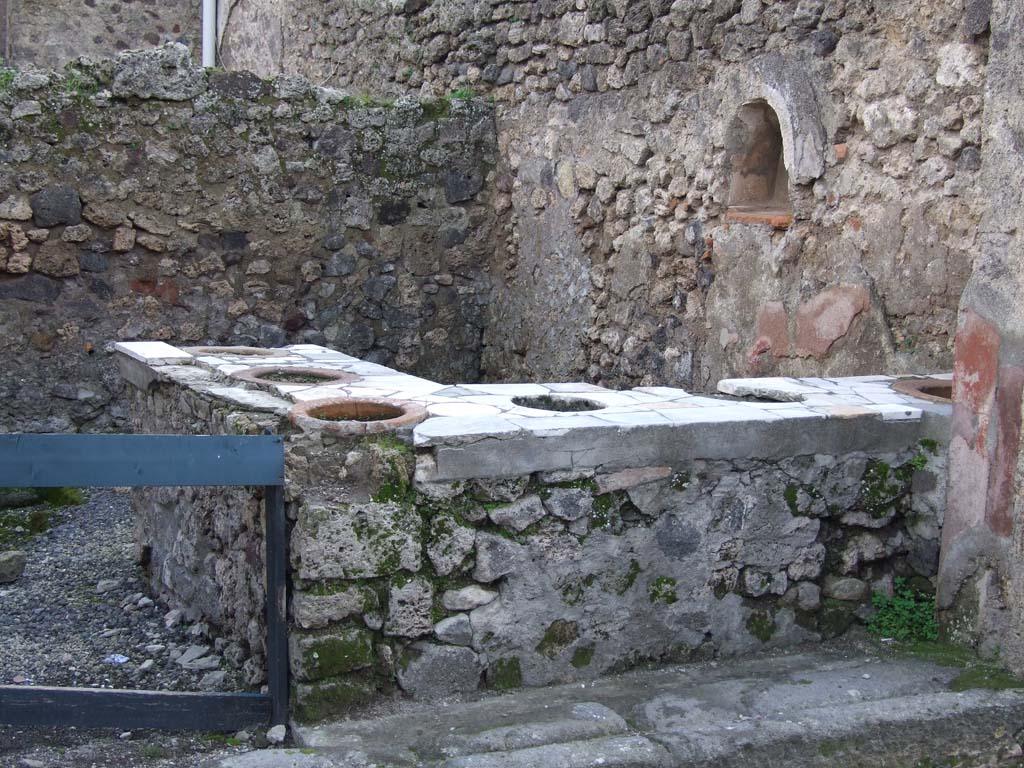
point(47, 461)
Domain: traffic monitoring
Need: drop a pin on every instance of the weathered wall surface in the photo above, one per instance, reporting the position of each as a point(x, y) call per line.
point(203, 549)
point(147, 199)
point(614, 118)
point(981, 593)
point(50, 33)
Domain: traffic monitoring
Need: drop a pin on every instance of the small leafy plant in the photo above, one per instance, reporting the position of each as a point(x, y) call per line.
point(907, 615)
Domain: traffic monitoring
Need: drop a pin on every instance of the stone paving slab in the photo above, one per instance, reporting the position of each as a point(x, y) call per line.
point(844, 705)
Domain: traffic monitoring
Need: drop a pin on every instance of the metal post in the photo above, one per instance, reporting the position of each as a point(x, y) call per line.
point(209, 33)
point(277, 629)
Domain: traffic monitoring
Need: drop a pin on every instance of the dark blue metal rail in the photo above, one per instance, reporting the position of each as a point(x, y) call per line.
point(40, 461)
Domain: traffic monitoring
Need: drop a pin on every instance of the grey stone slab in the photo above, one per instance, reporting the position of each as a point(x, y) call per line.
point(430, 670)
point(252, 399)
point(660, 445)
point(783, 709)
point(611, 752)
point(454, 430)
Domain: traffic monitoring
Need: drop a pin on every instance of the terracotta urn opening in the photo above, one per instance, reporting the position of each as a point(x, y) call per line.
point(935, 390)
point(357, 416)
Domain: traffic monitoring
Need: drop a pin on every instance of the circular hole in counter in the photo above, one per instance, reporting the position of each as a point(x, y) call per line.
point(357, 416)
point(935, 390)
point(294, 375)
point(558, 404)
point(237, 351)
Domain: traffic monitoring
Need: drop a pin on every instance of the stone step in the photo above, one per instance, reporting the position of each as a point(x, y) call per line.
point(802, 710)
point(590, 721)
point(867, 733)
point(610, 752)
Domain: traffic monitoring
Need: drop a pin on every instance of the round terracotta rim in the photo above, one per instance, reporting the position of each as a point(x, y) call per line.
point(918, 388)
point(325, 375)
point(241, 351)
point(410, 414)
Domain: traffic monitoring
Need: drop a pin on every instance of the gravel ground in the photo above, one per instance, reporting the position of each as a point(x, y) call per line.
point(80, 616)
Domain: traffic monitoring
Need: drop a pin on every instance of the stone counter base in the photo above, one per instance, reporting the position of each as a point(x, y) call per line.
point(405, 578)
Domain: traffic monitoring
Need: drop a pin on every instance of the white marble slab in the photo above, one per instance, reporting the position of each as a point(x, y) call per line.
point(153, 352)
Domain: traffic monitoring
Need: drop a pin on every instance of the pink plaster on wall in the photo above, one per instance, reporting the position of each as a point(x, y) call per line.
point(826, 318)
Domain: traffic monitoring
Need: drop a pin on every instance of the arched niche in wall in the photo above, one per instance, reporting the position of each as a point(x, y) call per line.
point(758, 178)
point(770, 122)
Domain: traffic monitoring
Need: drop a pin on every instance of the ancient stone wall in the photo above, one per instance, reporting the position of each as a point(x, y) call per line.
point(146, 198)
point(50, 33)
point(981, 587)
point(533, 545)
point(617, 127)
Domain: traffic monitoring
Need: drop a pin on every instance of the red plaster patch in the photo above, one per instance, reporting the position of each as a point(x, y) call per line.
point(826, 318)
point(773, 326)
point(976, 363)
point(164, 289)
point(1003, 463)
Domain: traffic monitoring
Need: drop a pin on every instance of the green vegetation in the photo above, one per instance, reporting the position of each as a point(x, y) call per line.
point(582, 657)
point(154, 752)
point(6, 79)
point(663, 590)
point(559, 635)
point(976, 672)
point(630, 578)
point(505, 674)
point(761, 625)
point(987, 676)
point(335, 655)
point(28, 512)
point(907, 615)
point(331, 697)
point(680, 481)
point(464, 94)
point(366, 101)
point(882, 487)
point(790, 495)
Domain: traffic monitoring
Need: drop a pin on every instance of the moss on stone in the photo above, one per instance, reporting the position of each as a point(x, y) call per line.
point(835, 617)
point(882, 487)
point(605, 511)
point(582, 657)
point(663, 590)
point(761, 624)
point(681, 481)
point(505, 674)
point(432, 110)
point(943, 654)
point(976, 672)
point(332, 655)
point(629, 579)
point(790, 495)
point(932, 446)
point(987, 676)
point(26, 515)
point(559, 635)
point(329, 698)
point(392, 444)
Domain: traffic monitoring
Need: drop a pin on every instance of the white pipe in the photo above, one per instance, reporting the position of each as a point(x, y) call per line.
point(209, 33)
